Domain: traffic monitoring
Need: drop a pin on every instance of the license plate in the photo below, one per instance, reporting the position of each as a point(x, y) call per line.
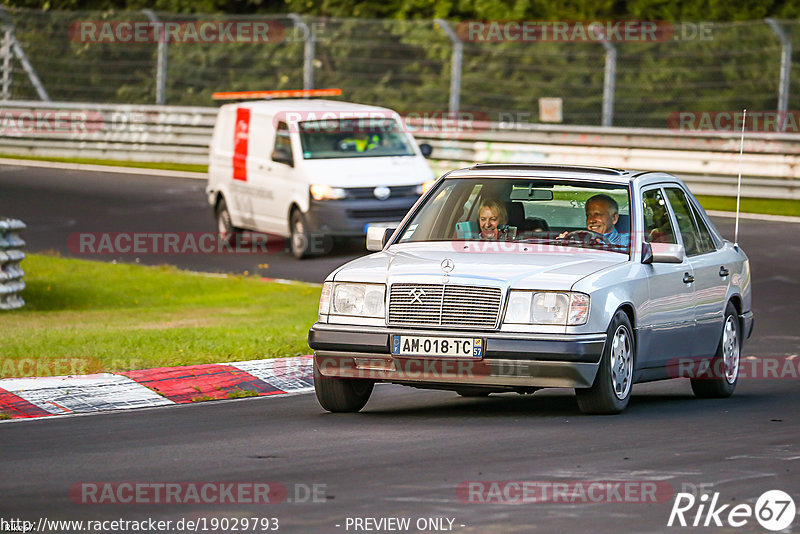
point(452, 347)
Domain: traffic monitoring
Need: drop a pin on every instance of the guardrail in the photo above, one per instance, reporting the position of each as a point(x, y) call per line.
point(707, 161)
point(11, 272)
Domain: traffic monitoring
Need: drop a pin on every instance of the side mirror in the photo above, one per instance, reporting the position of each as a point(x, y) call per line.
point(281, 156)
point(662, 253)
point(426, 149)
point(377, 237)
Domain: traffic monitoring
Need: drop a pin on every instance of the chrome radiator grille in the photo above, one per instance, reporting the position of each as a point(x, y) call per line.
point(444, 305)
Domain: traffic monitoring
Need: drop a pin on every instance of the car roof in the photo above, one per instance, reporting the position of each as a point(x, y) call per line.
point(308, 105)
point(569, 172)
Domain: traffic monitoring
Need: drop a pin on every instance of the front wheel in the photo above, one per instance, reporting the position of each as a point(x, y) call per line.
point(611, 390)
point(341, 394)
point(299, 240)
point(720, 381)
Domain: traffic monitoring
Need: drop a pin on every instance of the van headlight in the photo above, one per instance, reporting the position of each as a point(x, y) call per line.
point(362, 300)
point(547, 307)
point(423, 188)
point(326, 192)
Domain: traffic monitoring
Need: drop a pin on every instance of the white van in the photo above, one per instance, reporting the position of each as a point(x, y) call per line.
point(312, 170)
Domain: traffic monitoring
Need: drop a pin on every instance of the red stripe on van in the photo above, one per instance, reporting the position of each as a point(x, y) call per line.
point(241, 134)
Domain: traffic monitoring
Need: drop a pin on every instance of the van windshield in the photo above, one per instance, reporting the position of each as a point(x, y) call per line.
point(353, 138)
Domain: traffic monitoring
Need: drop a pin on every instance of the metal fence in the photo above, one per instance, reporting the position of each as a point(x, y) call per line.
point(414, 65)
point(11, 273)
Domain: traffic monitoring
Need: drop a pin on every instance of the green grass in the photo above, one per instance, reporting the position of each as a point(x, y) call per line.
point(82, 317)
point(771, 206)
point(117, 163)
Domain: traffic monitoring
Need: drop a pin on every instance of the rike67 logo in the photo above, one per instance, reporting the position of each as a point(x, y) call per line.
point(774, 510)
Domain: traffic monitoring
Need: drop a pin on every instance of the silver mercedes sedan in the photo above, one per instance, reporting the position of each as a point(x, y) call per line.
point(516, 277)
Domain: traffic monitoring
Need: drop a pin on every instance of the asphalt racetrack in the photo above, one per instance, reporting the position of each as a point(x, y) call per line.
point(410, 453)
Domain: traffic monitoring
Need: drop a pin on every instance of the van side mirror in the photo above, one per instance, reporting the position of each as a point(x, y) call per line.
point(377, 237)
point(281, 156)
point(426, 150)
point(662, 253)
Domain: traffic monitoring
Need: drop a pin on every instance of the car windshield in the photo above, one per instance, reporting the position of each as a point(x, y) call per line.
point(353, 138)
point(525, 210)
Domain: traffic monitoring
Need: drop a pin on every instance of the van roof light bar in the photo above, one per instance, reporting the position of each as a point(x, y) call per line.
point(270, 95)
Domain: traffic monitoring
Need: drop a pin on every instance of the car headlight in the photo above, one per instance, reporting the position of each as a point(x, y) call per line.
point(547, 307)
point(365, 300)
point(326, 192)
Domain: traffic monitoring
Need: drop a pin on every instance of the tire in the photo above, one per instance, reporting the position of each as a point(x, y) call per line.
point(341, 395)
point(723, 375)
point(299, 238)
point(612, 386)
point(227, 231)
point(302, 243)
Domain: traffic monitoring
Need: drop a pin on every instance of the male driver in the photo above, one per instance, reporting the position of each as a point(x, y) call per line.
point(602, 213)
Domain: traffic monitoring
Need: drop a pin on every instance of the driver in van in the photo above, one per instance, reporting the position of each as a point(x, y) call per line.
point(602, 213)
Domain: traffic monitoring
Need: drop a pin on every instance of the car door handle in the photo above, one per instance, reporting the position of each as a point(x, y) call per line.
point(723, 272)
point(688, 278)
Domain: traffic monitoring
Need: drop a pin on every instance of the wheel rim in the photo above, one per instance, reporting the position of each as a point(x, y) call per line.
point(621, 362)
point(730, 350)
point(298, 236)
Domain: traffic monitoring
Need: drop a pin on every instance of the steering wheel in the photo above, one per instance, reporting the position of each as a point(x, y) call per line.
point(585, 235)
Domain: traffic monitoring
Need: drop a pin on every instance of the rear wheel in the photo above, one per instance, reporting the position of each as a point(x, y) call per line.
point(721, 378)
point(611, 390)
point(227, 231)
point(341, 394)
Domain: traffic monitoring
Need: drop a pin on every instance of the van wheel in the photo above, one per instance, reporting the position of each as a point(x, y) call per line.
point(299, 240)
point(720, 380)
point(227, 231)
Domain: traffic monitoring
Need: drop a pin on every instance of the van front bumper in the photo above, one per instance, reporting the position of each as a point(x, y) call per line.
point(509, 361)
point(349, 218)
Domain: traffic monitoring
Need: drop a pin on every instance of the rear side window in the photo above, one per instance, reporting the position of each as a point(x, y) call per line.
point(705, 234)
point(695, 241)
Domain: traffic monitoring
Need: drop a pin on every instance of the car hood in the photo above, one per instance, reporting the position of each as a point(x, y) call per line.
point(480, 263)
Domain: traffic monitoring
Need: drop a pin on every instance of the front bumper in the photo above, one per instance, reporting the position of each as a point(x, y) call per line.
point(509, 360)
point(349, 217)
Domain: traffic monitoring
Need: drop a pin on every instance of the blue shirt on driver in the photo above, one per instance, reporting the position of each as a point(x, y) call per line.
point(617, 238)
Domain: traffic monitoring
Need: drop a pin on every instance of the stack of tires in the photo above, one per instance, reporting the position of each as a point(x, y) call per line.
point(11, 272)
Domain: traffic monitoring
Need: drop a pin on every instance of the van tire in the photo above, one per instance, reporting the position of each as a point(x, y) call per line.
point(299, 237)
point(227, 231)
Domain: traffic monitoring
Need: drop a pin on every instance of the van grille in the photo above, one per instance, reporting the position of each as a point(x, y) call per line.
point(394, 214)
point(396, 192)
point(444, 305)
